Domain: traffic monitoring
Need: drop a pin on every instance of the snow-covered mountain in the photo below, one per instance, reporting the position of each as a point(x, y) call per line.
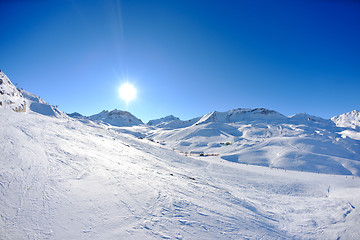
point(171, 122)
point(38, 105)
point(350, 119)
point(166, 119)
point(10, 96)
point(309, 119)
point(264, 137)
point(116, 118)
point(241, 114)
point(76, 115)
point(20, 100)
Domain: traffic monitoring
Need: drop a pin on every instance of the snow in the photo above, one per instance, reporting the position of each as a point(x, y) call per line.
point(65, 179)
point(350, 119)
point(162, 120)
point(264, 137)
point(308, 119)
point(269, 176)
point(116, 118)
point(351, 134)
point(241, 114)
point(75, 115)
point(38, 105)
point(10, 96)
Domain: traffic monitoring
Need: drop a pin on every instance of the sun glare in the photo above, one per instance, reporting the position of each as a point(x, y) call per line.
point(127, 92)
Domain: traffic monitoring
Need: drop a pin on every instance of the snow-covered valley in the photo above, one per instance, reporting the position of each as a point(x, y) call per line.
point(75, 178)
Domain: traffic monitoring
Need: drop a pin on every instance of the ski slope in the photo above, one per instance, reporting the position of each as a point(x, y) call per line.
point(62, 178)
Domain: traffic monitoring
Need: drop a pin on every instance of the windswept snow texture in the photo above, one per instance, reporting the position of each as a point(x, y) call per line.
point(63, 179)
point(116, 118)
point(266, 138)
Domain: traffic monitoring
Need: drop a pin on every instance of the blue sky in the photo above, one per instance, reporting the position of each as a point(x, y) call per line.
point(186, 58)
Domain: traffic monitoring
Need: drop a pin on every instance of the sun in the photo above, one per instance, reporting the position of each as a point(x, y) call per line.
point(127, 92)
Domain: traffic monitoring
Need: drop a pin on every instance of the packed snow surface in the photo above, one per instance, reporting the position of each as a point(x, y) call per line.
point(62, 178)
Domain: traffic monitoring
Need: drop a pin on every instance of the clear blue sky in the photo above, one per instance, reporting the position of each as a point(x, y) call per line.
point(186, 58)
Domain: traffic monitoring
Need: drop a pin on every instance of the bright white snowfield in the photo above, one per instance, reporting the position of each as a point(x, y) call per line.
point(71, 178)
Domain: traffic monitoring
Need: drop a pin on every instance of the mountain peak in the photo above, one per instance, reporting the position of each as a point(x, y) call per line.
point(349, 119)
point(166, 119)
point(116, 118)
point(241, 114)
point(304, 117)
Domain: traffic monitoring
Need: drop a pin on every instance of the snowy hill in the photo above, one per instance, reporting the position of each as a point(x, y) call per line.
point(61, 178)
point(350, 119)
point(10, 96)
point(116, 118)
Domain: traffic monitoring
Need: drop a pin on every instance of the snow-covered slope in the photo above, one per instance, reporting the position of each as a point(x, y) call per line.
point(116, 118)
point(264, 137)
point(23, 101)
point(10, 96)
point(63, 179)
point(350, 119)
point(38, 105)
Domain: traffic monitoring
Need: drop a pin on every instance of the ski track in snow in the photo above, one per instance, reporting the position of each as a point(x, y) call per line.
point(64, 179)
